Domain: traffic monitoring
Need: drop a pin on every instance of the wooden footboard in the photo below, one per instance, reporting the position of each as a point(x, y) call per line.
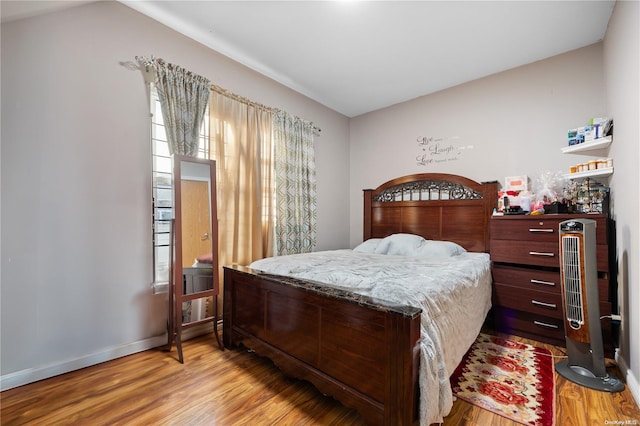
point(358, 350)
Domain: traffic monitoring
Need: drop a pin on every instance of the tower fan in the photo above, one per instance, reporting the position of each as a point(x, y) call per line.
point(579, 281)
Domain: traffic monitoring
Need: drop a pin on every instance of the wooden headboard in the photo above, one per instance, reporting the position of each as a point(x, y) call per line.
point(436, 206)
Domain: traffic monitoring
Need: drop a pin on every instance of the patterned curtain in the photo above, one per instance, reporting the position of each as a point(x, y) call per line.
point(295, 184)
point(183, 98)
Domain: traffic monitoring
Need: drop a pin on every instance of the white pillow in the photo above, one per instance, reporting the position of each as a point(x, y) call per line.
point(433, 248)
point(400, 244)
point(368, 246)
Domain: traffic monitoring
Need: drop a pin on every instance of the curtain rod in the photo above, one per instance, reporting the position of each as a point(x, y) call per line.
point(149, 63)
point(239, 98)
point(244, 100)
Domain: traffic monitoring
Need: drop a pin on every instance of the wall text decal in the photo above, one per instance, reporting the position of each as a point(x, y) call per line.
point(439, 149)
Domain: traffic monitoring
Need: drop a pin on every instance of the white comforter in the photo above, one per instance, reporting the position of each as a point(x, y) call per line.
point(453, 292)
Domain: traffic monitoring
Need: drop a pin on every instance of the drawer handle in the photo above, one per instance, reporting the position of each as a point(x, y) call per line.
point(538, 253)
point(540, 230)
point(546, 305)
point(544, 324)
point(552, 284)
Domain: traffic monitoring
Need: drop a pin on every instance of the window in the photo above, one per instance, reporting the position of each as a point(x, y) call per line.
point(162, 190)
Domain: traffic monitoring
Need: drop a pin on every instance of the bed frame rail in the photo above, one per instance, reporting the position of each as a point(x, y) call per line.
point(360, 351)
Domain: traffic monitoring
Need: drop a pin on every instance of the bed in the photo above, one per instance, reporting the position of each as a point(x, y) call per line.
point(367, 348)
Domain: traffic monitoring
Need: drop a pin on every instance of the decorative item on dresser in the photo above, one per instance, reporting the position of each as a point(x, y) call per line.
point(527, 297)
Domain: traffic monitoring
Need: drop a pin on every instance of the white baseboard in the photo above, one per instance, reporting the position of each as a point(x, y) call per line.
point(634, 386)
point(630, 378)
point(30, 375)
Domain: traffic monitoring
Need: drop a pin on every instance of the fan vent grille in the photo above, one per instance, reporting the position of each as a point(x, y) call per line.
point(573, 280)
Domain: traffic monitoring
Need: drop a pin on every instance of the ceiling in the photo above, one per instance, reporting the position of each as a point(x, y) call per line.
point(359, 56)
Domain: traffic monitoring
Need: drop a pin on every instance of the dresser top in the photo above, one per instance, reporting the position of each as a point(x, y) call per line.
point(560, 216)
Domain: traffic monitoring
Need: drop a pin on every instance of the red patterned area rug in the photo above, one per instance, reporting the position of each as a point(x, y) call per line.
point(514, 380)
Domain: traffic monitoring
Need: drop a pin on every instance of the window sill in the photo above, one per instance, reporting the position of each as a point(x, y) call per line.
point(160, 288)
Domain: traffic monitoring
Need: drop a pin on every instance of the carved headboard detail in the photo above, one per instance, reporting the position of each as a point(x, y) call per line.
point(424, 190)
point(436, 206)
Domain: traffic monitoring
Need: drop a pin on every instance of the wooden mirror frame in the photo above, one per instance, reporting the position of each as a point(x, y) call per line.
point(177, 291)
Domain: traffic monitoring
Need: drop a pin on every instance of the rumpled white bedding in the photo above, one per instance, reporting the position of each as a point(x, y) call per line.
point(453, 292)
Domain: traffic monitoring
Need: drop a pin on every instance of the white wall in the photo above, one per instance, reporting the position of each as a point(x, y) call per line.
point(511, 123)
point(622, 81)
point(75, 175)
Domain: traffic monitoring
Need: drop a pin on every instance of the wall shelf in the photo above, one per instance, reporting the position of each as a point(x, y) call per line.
point(589, 148)
point(586, 147)
point(590, 173)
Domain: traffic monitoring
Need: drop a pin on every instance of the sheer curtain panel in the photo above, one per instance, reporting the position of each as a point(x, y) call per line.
point(241, 145)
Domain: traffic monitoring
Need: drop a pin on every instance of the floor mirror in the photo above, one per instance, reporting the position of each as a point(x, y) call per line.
point(194, 276)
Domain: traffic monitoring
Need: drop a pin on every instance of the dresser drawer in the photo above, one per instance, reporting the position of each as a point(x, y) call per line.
point(541, 328)
point(540, 229)
point(525, 230)
point(525, 252)
point(528, 300)
point(534, 279)
point(538, 254)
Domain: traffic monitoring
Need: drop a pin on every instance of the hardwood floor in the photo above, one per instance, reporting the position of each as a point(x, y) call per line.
point(239, 388)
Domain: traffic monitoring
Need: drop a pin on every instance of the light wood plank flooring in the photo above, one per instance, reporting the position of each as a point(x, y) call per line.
point(239, 388)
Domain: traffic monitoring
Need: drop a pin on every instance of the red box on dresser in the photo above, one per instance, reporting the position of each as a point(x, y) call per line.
point(527, 298)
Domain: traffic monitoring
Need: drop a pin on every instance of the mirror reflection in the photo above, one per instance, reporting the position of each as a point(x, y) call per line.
point(195, 190)
point(196, 238)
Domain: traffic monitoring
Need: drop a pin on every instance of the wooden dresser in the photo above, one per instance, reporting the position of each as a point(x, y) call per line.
point(526, 276)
